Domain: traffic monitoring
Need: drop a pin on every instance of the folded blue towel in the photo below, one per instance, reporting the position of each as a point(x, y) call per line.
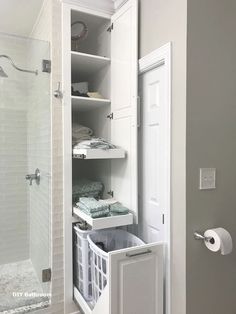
point(92, 204)
point(97, 214)
point(118, 208)
point(87, 188)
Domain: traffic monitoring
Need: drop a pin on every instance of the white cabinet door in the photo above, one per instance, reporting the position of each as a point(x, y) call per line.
point(153, 154)
point(136, 280)
point(124, 75)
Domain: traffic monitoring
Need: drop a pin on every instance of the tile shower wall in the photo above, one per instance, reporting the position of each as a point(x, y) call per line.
point(14, 234)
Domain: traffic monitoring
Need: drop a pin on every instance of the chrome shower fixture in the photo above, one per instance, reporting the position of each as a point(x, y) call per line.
point(3, 73)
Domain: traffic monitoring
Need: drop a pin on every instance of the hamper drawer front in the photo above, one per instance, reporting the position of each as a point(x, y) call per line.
point(136, 280)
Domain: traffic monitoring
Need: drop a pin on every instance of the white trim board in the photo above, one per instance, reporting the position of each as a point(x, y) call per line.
point(104, 6)
point(159, 57)
point(156, 58)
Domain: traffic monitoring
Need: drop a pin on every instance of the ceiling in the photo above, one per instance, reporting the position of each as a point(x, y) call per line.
point(18, 16)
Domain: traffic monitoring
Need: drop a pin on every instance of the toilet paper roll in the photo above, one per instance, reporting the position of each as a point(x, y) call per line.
point(222, 241)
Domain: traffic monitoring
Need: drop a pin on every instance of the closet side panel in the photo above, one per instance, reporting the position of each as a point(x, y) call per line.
point(124, 73)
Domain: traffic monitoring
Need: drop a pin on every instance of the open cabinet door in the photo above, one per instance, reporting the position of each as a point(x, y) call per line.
point(124, 76)
point(136, 280)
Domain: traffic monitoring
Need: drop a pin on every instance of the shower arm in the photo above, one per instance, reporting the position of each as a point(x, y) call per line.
point(16, 67)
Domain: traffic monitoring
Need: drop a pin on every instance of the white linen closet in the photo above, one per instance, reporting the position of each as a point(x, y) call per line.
point(108, 61)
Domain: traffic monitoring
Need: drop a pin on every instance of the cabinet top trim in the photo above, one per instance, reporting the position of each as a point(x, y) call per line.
point(104, 6)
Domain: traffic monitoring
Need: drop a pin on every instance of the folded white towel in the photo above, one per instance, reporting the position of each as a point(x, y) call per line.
point(95, 142)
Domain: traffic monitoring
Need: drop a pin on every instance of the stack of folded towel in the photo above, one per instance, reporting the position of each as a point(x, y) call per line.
point(115, 207)
point(80, 133)
point(101, 208)
point(82, 138)
point(87, 188)
point(94, 142)
point(118, 209)
point(92, 207)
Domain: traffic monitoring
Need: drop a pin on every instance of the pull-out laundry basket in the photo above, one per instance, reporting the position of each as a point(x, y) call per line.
point(101, 243)
point(82, 265)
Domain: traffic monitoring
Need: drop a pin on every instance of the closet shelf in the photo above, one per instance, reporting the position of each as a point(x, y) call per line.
point(82, 63)
point(97, 153)
point(85, 103)
point(104, 222)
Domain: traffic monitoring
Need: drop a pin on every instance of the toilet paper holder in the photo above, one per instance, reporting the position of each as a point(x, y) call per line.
point(199, 236)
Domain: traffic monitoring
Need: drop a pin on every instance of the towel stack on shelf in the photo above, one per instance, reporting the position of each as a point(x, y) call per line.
point(115, 207)
point(82, 138)
point(87, 188)
point(95, 142)
point(80, 133)
point(92, 207)
point(101, 208)
point(118, 209)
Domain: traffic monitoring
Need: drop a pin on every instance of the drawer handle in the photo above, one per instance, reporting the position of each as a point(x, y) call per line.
point(137, 254)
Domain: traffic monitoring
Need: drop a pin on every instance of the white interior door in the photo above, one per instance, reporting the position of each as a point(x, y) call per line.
point(124, 76)
point(136, 280)
point(153, 154)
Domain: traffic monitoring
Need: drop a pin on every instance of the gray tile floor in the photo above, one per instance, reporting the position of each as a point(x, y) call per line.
point(19, 288)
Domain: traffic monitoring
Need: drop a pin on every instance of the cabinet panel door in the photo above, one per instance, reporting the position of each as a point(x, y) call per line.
point(153, 154)
point(124, 74)
point(136, 280)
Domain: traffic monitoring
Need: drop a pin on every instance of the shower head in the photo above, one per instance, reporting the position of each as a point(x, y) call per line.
point(3, 73)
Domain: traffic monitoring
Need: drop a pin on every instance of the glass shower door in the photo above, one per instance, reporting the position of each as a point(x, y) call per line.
point(25, 194)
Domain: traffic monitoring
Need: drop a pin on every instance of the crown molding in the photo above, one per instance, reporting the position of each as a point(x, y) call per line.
point(104, 6)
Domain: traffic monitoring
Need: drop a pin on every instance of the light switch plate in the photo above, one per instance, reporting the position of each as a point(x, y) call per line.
point(207, 178)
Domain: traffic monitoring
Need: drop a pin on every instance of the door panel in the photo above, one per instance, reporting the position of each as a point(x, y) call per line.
point(136, 280)
point(152, 154)
point(124, 75)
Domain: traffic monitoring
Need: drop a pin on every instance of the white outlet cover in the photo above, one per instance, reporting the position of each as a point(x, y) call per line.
point(207, 178)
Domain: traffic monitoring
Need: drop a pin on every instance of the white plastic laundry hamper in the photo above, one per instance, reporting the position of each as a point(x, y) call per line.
point(82, 265)
point(101, 243)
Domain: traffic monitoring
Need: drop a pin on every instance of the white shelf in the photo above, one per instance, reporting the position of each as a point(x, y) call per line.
point(91, 153)
point(82, 63)
point(104, 222)
point(87, 103)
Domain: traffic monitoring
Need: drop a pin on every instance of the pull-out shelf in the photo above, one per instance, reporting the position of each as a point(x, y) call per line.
point(83, 104)
point(104, 222)
point(98, 153)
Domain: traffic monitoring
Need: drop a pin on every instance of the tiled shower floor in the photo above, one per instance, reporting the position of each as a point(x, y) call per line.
point(20, 278)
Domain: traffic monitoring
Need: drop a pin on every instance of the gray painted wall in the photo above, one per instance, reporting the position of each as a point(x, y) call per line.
point(162, 21)
point(211, 142)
